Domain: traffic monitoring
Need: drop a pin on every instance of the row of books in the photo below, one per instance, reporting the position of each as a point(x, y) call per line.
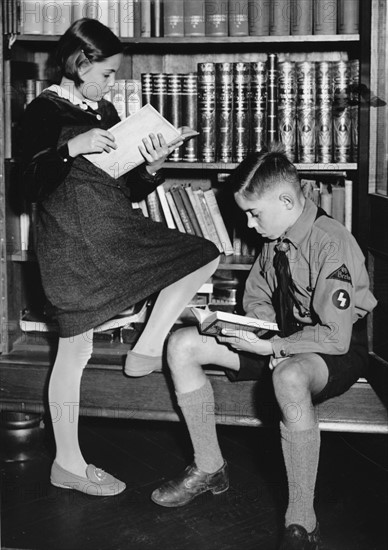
point(334, 197)
point(169, 18)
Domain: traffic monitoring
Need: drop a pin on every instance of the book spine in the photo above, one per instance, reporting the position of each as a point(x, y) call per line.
point(224, 111)
point(190, 211)
point(114, 16)
point(258, 104)
point(218, 221)
point(348, 16)
point(173, 18)
point(30, 93)
point(136, 18)
point(338, 208)
point(132, 97)
point(159, 93)
point(210, 227)
point(326, 198)
point(102, 11)
point(238, 18)
point(325, 16)
point(165, 207)
point(190, 114)
point(174, 212)
point(342, 138)
point(272, 98)
point(182, 210)
point(207, 112)
point(279, 18)
point(301, 17)
point(197, 210)
point(18, 17)
point(118, 97)
point(127, 18)
point(287, 108)
point(154, 207)
point(194, 12)
point(79, 9)
point(62, 19)
point(216, 17)
point(174, 108)
point(258, 17)
point(143, 208)
point(324, 89)
point(49, 14)
point(354, 101)
point(306, 102)
point(156, 18)
point(146, 88)
point(348, 204)
point(32, 17)
point(241, 119)
point(145, 30)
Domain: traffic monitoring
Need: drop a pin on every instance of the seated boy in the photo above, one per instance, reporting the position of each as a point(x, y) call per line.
point(311, 279)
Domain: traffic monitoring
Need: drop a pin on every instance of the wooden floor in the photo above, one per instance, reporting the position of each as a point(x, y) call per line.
point(351, 493)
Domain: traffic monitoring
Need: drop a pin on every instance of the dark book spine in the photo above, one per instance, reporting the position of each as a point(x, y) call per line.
point(156, 18)
point(194, 12)
point(190, 114)
point(306, 134)
point(173, 17)
point(136, 18)
point(354, 100)
point(238, 18)
point(348, 16)
point(324, 79)
point(287, 107)
point(241, 118)
point(190, 211)
point(174, 108)
point(272, 98)
point(207, 112)
point(224, 111)
point(182, 210)
point(258, 105)
point(342, 138)
point(258, 17)
point(146, 88)
point(325, 16)
point(279, 18)
point(301, 17)
point(216, 17)
point(159, 93)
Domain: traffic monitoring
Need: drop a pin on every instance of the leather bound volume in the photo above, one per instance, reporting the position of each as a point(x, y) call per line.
point(306, 106)
point(258, 105)
point(156, 18)
point(287, 107)
point(301, 17)
point(325, 16)
point(280, 18)
point(272, 98)
point(258, 17)
point(194, 15)
point(342, 134)
point(241, 118)
point(354, 101)
point(190, 114)
point(174, 108)
point(224, 111)
point(159, 93)
point(136, 18)
point(146, 88)
point(216, 17)
point(324, 100)
point(207, 112)
point(348, 16)
point(238, 18)
point(173, 18)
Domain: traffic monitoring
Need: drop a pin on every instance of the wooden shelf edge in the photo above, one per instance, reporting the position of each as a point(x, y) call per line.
point(313, 167)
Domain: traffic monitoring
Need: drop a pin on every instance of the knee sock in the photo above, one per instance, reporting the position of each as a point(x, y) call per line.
point(64, 395)
point(301, 456)
point(198, 410)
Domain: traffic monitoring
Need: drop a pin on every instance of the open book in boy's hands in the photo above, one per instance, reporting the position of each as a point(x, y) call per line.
point(129, 134)
point(212, 322)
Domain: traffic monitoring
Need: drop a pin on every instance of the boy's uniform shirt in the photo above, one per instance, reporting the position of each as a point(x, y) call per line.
point(328, 269)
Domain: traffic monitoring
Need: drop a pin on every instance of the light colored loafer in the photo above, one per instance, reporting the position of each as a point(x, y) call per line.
point(96, 483)
point(137, 364)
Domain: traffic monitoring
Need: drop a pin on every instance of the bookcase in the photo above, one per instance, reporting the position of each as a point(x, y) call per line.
point(20, 284)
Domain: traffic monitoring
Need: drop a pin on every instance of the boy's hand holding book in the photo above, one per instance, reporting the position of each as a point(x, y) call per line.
point(245, 340)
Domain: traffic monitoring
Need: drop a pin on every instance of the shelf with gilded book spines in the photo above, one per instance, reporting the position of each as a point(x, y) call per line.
point(334, 168)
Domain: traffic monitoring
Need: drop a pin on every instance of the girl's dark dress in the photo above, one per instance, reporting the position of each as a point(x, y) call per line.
point(97, 255)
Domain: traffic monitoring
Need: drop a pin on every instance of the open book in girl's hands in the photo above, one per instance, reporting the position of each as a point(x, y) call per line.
point(129, 134)
point(212, 322)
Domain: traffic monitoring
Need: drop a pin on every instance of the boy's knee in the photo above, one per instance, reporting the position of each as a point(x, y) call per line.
point(290, 376)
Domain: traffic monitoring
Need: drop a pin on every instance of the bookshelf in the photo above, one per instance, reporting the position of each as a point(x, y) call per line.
point(155, 55)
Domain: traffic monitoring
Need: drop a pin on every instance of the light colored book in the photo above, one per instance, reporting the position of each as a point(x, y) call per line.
point(218, 222)
point(213, 322)
point(129, 134)
point(165, 207)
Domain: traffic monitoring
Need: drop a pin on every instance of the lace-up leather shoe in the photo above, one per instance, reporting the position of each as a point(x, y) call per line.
point(297, 538)
point(190, 484)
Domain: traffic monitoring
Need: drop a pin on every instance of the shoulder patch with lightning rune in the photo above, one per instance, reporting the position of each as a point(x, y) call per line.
point(341, 274)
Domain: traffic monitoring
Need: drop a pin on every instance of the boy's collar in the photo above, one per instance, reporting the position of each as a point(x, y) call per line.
point(68, 93)
point(297, 232)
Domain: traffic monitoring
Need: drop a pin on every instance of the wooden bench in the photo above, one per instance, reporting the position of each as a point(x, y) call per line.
point(106, 392)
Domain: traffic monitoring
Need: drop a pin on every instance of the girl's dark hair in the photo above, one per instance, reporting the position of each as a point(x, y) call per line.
point(86, 41)
point(263, 171)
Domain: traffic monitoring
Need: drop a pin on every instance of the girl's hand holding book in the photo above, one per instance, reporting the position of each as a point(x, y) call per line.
point(96, 140)
point(155, 151)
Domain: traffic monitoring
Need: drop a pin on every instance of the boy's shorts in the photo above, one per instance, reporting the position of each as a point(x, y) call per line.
point(344, 370)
